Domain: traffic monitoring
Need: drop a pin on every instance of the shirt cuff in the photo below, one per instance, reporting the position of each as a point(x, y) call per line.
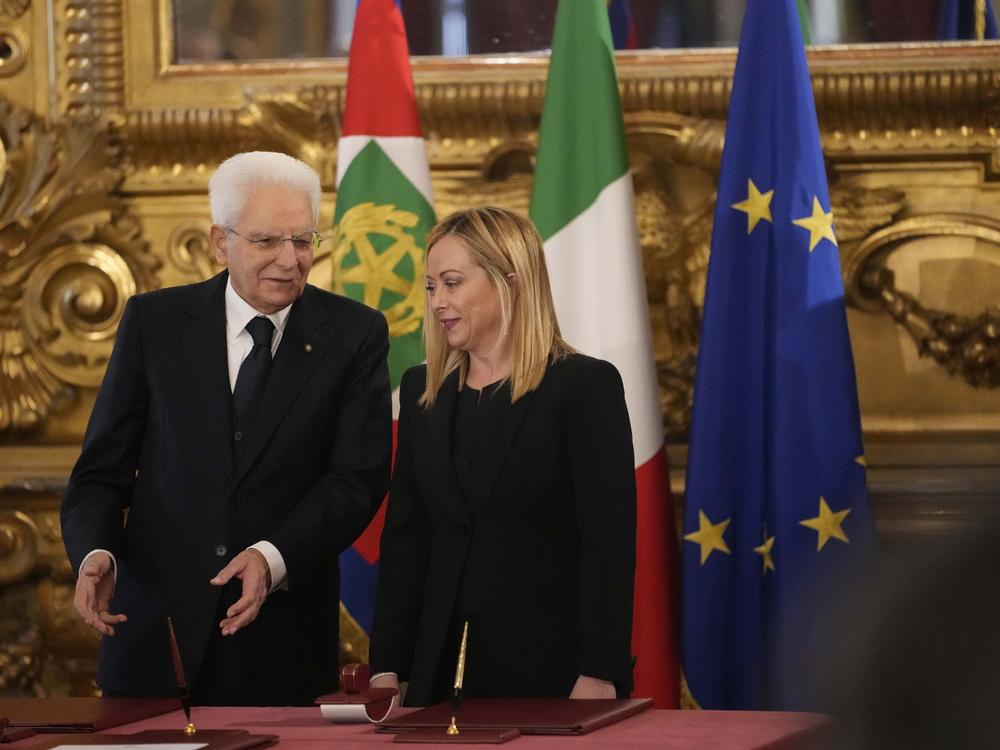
point(114, 562)
point(279, 573)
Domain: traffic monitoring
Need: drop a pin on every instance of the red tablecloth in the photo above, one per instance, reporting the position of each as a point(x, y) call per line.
point(304, 729)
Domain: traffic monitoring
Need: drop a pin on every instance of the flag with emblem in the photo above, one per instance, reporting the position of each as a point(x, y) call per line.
point(583, 206)
point(967, 19)
point(383, 214)
point(777, 516)
point(623, 32)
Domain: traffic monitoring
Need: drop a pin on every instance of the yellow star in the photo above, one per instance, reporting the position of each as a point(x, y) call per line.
point(757, 206)
point(827, 524)
point(764, 551)
point(820, 225)
point(709, 536)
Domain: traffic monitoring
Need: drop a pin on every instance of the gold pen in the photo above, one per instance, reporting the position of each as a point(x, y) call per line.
point(182, 690)
point(456, 696)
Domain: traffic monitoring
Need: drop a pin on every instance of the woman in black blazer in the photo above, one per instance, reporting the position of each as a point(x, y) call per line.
point(512, 504)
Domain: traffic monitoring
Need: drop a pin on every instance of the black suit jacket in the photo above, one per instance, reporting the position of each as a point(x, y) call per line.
point(547, 539)
point(160, 444)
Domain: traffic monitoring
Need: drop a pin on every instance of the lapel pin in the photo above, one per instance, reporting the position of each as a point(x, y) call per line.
point(309, 347)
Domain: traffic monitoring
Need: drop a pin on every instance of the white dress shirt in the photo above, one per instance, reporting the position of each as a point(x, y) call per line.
point(238, 346)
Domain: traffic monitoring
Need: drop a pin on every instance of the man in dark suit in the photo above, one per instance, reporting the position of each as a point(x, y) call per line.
point(245, 424)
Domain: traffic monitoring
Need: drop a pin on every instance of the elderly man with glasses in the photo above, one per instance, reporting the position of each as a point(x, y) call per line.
point(239, 442)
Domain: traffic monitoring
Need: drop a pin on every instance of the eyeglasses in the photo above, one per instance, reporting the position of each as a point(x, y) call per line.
point(302, 243)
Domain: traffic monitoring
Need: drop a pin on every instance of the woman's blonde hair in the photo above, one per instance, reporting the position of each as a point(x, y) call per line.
point(502, 243)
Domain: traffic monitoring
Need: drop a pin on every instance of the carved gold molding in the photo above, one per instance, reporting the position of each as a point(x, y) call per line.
point(899, 99)
point(967, 346)
point(71, 257)
point(90, 62)
point(864, 106)
point(13, 8)
point(14, 45)
point(44, 648)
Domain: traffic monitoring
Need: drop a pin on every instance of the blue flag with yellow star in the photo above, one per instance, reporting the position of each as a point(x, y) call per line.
point(777, 513)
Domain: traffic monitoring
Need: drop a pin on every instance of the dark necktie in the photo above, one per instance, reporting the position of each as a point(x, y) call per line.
point(253, 372)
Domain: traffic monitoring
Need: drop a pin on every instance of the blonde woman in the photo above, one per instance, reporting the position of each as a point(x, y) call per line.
point(512, 504)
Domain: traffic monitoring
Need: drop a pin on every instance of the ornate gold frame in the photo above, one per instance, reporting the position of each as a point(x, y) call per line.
point(105, 150)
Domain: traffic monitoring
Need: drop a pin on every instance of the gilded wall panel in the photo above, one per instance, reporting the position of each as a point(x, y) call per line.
point(106, 146)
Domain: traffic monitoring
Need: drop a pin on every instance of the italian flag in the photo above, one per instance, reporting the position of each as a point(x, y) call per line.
point(583, 206)
point(383, 214)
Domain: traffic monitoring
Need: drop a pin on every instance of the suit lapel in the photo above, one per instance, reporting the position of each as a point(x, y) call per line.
point(439, 433)
point(202, 334)
point(303, 345)
point(500, 435)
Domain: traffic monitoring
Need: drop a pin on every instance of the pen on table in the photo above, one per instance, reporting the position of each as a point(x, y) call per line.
point(456, 696)
point(182, 690)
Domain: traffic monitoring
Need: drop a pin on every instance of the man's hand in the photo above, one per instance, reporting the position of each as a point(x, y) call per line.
point(94, 587)
point(250, 567)
point(591, 687)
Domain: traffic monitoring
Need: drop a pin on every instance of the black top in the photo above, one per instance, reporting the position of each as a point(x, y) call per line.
point(475, 411)
point(476, 415)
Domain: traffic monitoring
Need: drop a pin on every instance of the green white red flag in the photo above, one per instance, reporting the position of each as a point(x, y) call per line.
point(583, 205)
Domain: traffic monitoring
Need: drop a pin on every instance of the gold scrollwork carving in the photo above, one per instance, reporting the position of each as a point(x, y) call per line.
point(13, 51)
point(21, 644)
point(18, 546)
point(70, 257)
point(675, 246)
point(45, 649)
point(965, 345)
point(189, 248)
point(14, 8)
point(859, 211)
point(69, 655)
point(73, 299)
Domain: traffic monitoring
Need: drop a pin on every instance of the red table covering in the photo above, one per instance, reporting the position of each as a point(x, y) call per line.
point(305, 729)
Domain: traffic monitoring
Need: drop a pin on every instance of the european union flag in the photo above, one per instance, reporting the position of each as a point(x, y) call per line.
point(966, 19)
point(776, 508)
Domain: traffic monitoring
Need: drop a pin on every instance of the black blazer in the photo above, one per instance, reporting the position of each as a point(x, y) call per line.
point(159, 444)
point(547, 540)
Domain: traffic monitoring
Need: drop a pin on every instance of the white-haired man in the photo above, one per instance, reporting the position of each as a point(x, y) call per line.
point(245, 424)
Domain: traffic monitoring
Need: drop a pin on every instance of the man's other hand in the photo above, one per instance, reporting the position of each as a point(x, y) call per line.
point(94, 587)
point(251, 568)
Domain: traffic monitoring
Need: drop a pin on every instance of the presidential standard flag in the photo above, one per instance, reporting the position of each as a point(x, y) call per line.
point(582, 204)
point(967, 19)
point(384, 212)
point(623, 32)
point(777, 515)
